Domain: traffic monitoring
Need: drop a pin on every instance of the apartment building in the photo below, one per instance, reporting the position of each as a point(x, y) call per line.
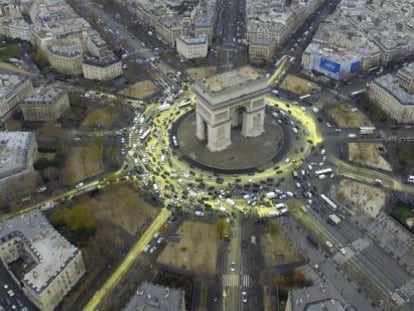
point(13, 89)
point(18, 152)
point(192, 47)
point(261, 49)
point(103, 68)
point(55, 266)
point(155, 297)
point(46, 103)
point(395, 95)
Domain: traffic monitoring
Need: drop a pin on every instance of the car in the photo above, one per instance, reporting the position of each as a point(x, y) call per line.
point(5, 286)
point(233, 266)
point(342, 250)
point(244, 296)
point(10, 292)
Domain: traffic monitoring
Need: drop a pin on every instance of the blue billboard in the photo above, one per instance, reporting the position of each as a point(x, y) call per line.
point(329, 65)
point(355, 67)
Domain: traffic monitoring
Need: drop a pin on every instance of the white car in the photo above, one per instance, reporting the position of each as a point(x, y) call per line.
point(233, 266)
point(244, 296)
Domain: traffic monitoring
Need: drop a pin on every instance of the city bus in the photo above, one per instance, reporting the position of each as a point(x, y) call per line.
point(329, 202)
point(355, 93)
point(324, 171)
point(185, 103)
point(366, 130)
point(145, 134)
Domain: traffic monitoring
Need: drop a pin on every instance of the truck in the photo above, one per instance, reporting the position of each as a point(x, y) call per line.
point(271, 195)
point(334, 220)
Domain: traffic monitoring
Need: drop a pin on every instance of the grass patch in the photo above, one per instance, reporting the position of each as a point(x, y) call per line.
point(43, 163)
point(372, 108)
point(401, 212)
point(11, 51)
point(406, 158)
point(77, 224)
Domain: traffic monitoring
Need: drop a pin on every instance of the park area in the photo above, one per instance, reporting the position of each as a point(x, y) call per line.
point(359, 197)
point(298, 85)
point(196, 250)
point(83, 161)
point(368, 154)
point(345, 116)
point(201, 72)
point(140, 90)
point(277, 248)
point(102, 224)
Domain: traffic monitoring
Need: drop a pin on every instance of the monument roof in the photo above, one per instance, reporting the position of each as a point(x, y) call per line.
point(234, 78)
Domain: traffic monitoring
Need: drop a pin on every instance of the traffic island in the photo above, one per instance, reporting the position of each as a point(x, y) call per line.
point(243, 155)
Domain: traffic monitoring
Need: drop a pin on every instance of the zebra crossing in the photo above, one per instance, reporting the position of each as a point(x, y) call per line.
point(406, 291)
point(235, 280)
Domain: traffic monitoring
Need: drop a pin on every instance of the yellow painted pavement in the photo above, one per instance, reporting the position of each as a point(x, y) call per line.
point(129, 260)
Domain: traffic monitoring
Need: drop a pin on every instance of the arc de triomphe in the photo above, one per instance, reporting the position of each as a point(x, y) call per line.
point(228, 100)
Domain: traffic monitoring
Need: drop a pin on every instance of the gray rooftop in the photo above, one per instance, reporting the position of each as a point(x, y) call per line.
point(391, 84)
point(103, 61)
point(151, 297)
point(49, 249)
point(44, 96)
point(202, 39)
point(13, 152)
point(316, 298)
point(9, 84)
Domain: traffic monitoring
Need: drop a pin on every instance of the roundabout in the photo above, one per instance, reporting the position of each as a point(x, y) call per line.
point(170, 174)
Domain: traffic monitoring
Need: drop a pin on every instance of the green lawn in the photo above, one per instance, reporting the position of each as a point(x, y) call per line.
point(11, 51)
point(402, 211)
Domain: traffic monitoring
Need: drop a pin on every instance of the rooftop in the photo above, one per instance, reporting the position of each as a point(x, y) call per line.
point(44, 96)
point(49, 249)
point(230, 79)
point(316, 298)
point(9, 84)
point(151, 297)
point(13, 152)
point(202, 39)
point(103, 61)
point(408, 70)
point(391, 84)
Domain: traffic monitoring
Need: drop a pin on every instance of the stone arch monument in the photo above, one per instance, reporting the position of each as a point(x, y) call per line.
point(231, 100)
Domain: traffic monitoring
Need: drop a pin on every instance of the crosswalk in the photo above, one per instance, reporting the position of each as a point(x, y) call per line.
point(235, 280)
point(405, 292)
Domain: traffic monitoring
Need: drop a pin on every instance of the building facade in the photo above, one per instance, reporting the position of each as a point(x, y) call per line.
point(13, 89)
point(18, 152)
point(388, 93)
point(47, 103)
point(229, 100)
point(57, 265)
point(104, 68)
point(192, 47)
point(261, 49)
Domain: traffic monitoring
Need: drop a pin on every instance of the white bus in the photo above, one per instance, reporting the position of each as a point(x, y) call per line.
point(323, 171)
point(185, 103)
point(329, 201)
point(366, 130)
point(145, 134)
point(355, 93)
point(164, 107)
point(304, 96)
